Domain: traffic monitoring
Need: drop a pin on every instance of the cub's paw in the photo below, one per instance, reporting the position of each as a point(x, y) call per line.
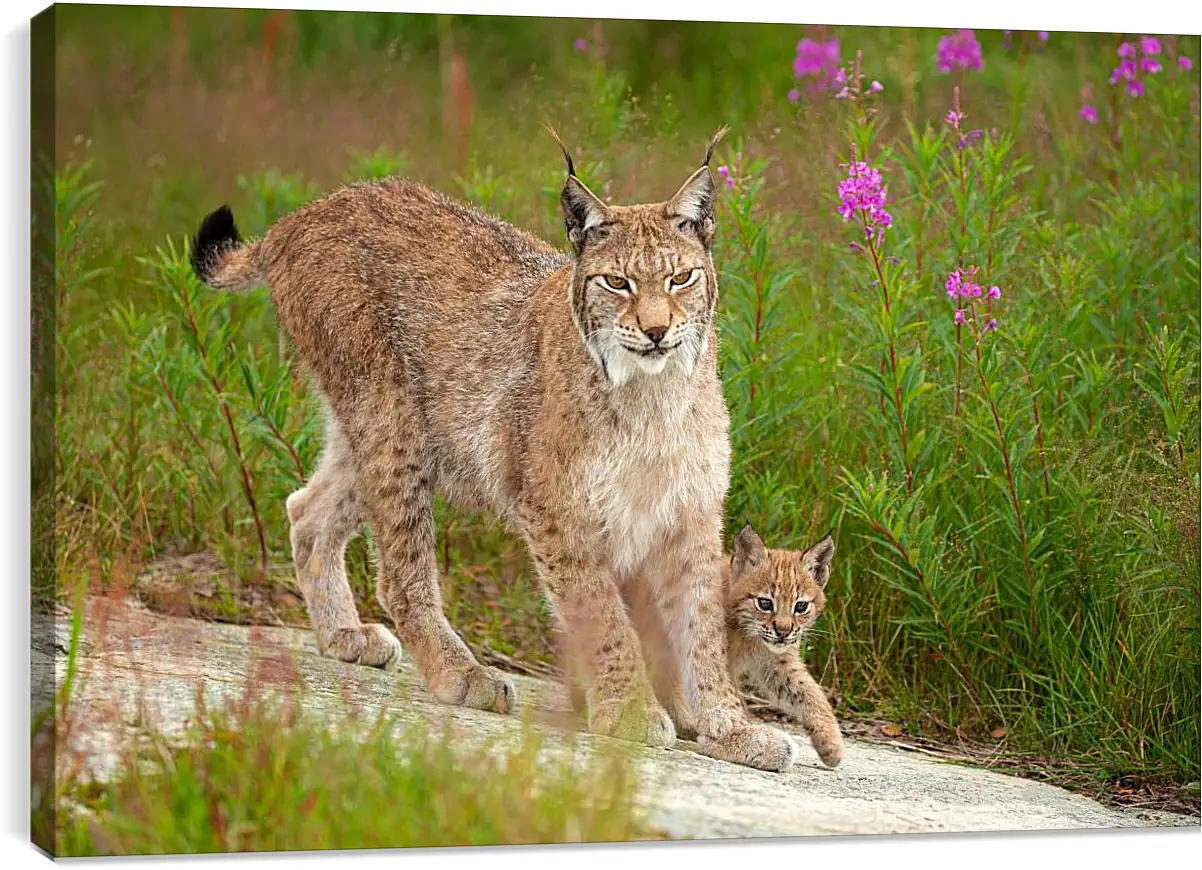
point(477, 687)
point(760, 746)
point(636, 721)
point(372, 645)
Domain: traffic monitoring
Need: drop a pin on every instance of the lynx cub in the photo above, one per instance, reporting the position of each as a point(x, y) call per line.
point(575, 395)
point(773, 598)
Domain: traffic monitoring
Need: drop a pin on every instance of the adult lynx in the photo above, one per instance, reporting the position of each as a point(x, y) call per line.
point(576, 395)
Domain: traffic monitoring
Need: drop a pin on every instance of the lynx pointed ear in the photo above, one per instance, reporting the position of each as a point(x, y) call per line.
point(817, 560)
point(749, 551)
point(693, 205)
point(584, 214)
point(583, 210)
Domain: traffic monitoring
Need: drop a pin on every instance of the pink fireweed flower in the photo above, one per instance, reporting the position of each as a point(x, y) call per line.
point(727, 178)
point(863, 197)
point(876, 87)
point(817, 61)
point(1133, 61)
point(962, 284)
point(1184, 62)
point(580, 44)
point(794, 95)
point(1043, 36)
point(952, 284)
point(1089, 114)
point(960, 49)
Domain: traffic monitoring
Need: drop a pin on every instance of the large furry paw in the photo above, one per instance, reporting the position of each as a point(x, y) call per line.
point(372, 645)
point(829, 746)
point(636, 721)
point(751, 745)
point(478, 687)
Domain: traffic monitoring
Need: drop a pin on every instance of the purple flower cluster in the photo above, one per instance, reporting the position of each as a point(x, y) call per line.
point(1135, 61)
point(816, 61)
point(727, 178)
point(961, 284)
point(959, 49)
point(863, 196)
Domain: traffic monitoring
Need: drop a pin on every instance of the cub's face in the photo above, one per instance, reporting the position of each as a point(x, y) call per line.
point(643, 285)
point(775, 596)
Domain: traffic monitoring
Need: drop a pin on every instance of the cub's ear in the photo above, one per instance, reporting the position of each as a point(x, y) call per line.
point(584, 214)
point(692, 207)
point(817, 560)
point(749, 552)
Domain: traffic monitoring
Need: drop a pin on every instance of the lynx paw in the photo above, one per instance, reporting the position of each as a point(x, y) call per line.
point(634, 721)
point(479, 687)
point(760, 746)
point(829, 747)
point(372, 645)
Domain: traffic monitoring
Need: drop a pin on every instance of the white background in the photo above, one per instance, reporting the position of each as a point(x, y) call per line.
point(978, 851)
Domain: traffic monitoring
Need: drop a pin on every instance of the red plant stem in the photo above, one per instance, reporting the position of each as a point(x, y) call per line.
point(926, 588)
point(1114, 129)
point(247, 489)
point(1018, 514)
point(278, 435)
point(901, 418)
point(1043, 459)
point(757, 281)
point(959, 364)
point(191, 433)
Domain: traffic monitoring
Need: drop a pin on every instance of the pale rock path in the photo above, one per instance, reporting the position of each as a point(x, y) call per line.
point(153, 662)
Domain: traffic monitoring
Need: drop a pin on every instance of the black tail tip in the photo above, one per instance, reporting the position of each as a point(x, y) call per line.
point(217, 234)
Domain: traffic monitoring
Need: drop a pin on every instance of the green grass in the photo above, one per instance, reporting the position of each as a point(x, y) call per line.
point(1025, 557)
point(259, 773)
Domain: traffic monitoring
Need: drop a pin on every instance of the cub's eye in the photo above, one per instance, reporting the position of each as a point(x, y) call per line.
point(801, 607)
point(764, 604)
point(617, 282)
point(681, 278)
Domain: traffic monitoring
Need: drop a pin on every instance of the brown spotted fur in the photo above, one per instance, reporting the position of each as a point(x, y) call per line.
point(456, 352)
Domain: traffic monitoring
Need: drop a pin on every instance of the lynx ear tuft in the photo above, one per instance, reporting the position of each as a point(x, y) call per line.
point(584, 214)
point(692, 207)
point(709, 152)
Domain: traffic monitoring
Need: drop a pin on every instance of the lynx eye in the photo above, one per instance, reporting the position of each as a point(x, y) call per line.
point(616, 282)
point(801, 607)
point(681, 278)
point(764, 604)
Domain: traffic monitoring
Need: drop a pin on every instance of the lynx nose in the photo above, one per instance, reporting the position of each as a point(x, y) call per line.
point(656, 333)
point(783, 631)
